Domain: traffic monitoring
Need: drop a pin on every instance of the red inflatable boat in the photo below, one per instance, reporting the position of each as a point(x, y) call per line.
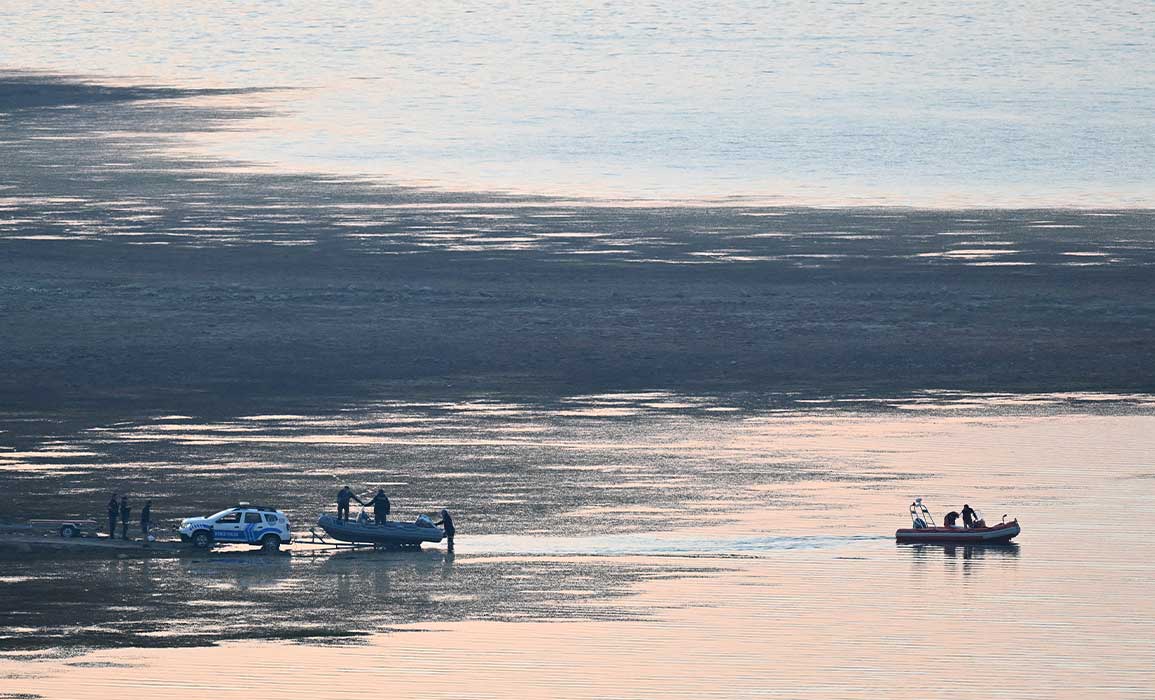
point(924, 530)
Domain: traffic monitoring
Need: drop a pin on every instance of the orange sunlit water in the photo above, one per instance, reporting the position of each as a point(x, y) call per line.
point(789, 589)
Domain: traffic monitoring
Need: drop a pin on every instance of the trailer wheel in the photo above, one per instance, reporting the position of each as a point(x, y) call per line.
point(201, 539)
point(271, 543)
point(68, 531)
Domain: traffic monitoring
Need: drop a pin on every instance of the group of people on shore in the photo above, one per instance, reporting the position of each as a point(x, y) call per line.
point(119, 509)
point(382, 507)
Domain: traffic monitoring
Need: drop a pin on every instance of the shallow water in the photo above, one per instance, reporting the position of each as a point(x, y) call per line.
point(1040, 104)
point(680, 550)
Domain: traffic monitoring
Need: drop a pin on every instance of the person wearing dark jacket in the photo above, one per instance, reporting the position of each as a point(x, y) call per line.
point(145, 518)
point(343, 498)
point(113, 509)
point(968, 515)
point(447, 523)
point(950, 519)
point(125, 513)
point(381, 507)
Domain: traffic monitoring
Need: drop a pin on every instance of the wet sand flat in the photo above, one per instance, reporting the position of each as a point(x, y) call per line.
point(135, 278)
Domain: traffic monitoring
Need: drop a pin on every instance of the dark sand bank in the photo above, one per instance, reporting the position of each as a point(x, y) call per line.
point(134, 282)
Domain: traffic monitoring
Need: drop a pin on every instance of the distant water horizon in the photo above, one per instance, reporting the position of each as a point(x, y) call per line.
point(822, 104)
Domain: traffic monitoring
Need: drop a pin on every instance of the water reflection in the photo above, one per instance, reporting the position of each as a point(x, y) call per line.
point(777, 524)
point(924, 552)
point(209, 598)
point(930, 563)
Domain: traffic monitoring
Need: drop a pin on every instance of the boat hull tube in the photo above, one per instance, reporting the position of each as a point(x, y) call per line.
point(1003, 532)
point(390, 534)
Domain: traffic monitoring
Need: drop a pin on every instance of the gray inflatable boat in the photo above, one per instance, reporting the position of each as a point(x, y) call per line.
point(390, 534)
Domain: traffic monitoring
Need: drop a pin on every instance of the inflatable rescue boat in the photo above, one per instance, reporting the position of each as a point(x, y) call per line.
point(924, 530)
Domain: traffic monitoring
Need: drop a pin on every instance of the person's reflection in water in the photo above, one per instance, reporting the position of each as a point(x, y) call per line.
point(447, 565)
point(382, 585)
point(345, 587)
point(975, 558)
point(969, 555)
point(146, 581)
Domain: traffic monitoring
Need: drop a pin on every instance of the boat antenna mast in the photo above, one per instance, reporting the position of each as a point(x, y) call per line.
point(920, 515)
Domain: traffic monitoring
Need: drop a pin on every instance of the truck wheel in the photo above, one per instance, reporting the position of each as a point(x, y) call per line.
point(201, 539)
point(68, 531)
point(271, 543)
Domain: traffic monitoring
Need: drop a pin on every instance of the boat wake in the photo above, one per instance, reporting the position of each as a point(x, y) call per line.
point(635, 545)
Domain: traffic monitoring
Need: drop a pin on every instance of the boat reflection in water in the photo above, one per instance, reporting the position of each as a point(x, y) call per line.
point(937, 560)
point(999, 550)
point(923, 529)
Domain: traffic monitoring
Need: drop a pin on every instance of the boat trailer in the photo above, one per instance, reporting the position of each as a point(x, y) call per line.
point(317, 538)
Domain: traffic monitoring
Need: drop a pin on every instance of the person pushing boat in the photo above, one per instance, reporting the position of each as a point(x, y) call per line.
point(447, 523)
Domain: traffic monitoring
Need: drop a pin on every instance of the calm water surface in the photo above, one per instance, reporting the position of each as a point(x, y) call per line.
point(1040, 103)
point(625, 545)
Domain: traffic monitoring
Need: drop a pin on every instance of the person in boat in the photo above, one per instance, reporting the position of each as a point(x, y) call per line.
point(343, 497)
point(447, 523)
point(968, 515)
point(950, 519)
point(381, 507)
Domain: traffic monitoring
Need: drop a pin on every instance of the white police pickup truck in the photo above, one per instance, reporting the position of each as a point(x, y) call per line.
point(267, 528)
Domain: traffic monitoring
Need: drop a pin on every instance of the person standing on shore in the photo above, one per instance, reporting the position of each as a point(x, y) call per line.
point(145, 518)
point(125, 513)
point(112, 510)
